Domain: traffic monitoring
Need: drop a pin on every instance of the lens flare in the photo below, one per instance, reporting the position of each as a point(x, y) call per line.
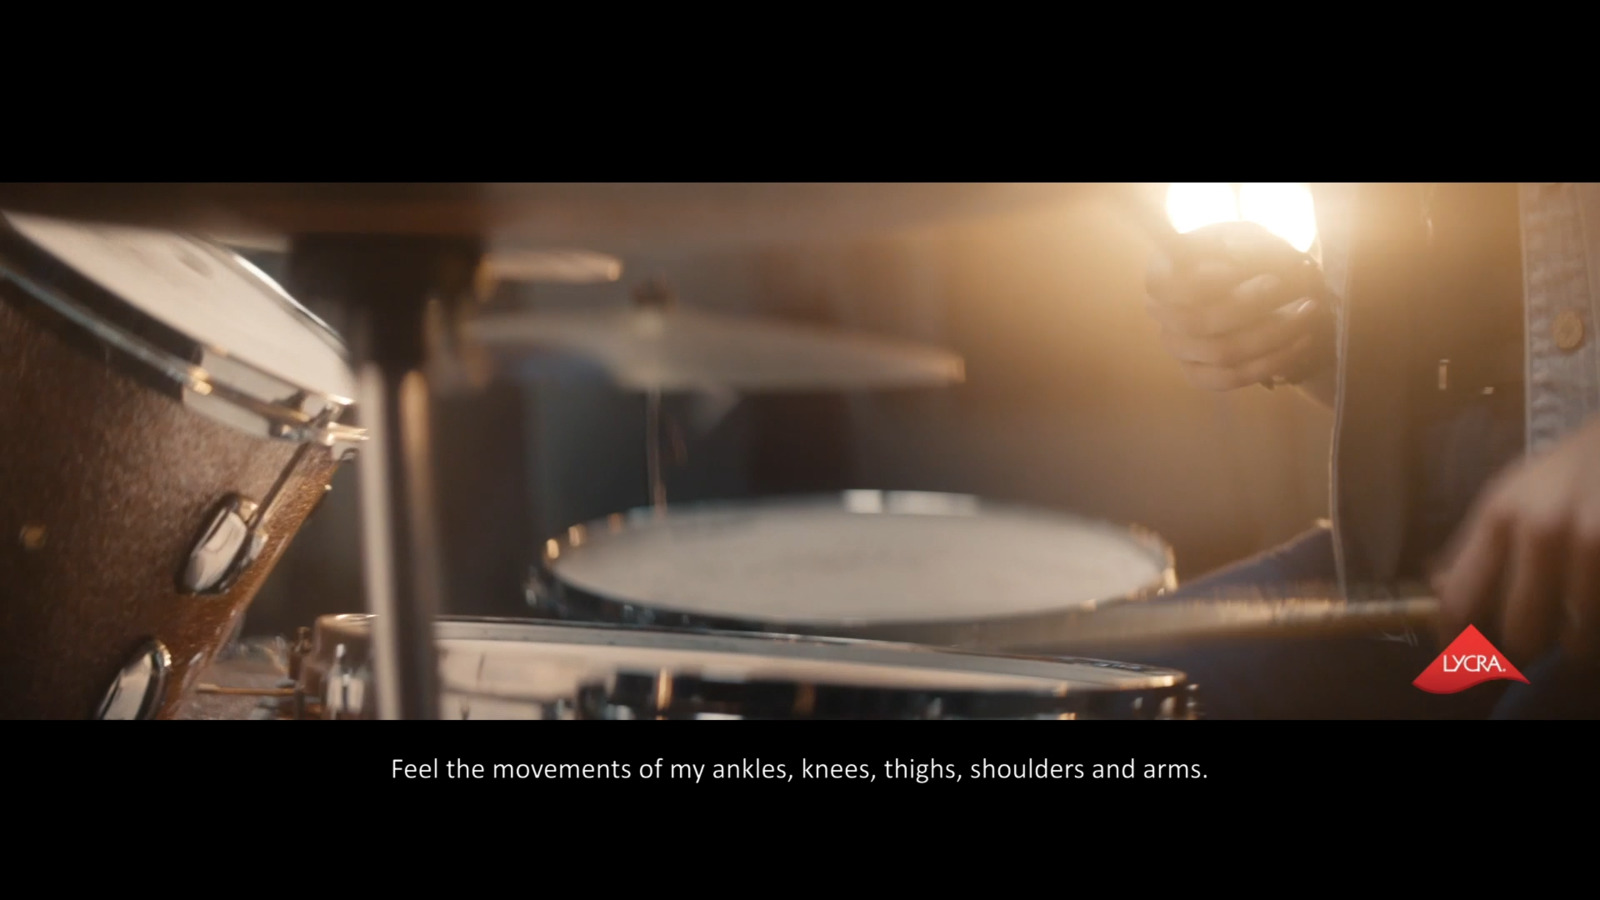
point(1286, 210)
point(1194, 206)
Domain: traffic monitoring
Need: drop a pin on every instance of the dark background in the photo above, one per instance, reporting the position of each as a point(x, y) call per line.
point(1069, 404)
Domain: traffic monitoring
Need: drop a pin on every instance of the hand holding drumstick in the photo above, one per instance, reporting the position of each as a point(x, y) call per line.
point(1238, 306)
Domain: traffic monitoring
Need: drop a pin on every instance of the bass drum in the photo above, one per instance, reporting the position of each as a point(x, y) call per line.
point(941, 569)
point(172, 417)
point(514, 669)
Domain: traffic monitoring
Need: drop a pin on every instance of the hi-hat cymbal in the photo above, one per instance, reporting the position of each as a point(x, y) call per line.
point(679, 350)
point(609, 217)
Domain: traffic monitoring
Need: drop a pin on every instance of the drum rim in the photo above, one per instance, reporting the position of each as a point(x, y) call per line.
point(1145, 692)
point(492, 628)
point(1000, 632)
point(80, 300)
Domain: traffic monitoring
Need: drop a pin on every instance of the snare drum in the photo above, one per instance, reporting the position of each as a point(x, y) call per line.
point(515, 669)
point(171, 417)
point(940, 569)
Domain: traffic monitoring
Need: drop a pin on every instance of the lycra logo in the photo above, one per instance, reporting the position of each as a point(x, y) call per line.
point(1468, 662)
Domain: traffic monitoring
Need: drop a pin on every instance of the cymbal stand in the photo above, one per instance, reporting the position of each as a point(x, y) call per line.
point(655, 294)
point(391, 286)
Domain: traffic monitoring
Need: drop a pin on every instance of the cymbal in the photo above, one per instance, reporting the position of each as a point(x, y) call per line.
point(604, 216)
point(555, 266)
point(683, 350)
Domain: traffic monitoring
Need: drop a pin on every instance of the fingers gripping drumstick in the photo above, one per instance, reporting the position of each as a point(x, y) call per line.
point(1185, 250)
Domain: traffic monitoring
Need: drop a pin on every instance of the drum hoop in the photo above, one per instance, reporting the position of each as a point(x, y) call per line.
point(19, 256)
point(488, 628)
point(986, 634)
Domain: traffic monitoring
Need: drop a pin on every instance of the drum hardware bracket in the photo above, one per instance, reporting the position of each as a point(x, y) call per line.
point(138, 690)
point(343, 692)
point(344, 440)
point(234, 538)
point(339, 438)
point(227, 547)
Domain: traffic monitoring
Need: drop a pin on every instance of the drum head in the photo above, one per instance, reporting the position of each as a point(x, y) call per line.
point(510, 664)
point(859, 559)
point(222, 303)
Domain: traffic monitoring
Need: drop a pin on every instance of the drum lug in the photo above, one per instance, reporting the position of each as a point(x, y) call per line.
point(343, 695)
point(227, 547)
point(139, 688)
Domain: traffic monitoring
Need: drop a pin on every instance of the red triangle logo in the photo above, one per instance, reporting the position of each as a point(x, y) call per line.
point(1469, 661)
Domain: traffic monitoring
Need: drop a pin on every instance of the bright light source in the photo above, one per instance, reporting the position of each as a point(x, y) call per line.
point(1194, 206)
point(1285, 210)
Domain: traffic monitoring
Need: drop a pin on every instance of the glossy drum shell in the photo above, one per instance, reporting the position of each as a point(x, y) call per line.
point(108, 481)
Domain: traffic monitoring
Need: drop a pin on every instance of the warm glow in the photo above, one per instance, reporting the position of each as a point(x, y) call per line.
point(1194, 206)
point(1286, 210)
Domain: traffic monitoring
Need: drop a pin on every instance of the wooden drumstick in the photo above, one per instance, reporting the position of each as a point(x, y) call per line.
point(1236, 616)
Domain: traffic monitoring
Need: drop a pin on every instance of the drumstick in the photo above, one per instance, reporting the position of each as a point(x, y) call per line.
point(1239, 615)
point(244, 691)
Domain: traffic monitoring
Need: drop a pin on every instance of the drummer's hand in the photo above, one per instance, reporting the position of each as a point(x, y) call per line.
point(1526, 563)
point(1222, 311)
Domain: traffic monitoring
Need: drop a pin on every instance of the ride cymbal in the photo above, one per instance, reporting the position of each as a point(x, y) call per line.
point(680, 350)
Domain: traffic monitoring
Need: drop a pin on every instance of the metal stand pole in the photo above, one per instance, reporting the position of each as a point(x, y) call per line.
point(654, 438)
point(389, 284)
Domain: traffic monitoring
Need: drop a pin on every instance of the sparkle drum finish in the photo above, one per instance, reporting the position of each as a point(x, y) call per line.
point(151, 473)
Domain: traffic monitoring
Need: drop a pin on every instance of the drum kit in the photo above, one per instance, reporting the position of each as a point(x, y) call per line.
point(174, 415)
